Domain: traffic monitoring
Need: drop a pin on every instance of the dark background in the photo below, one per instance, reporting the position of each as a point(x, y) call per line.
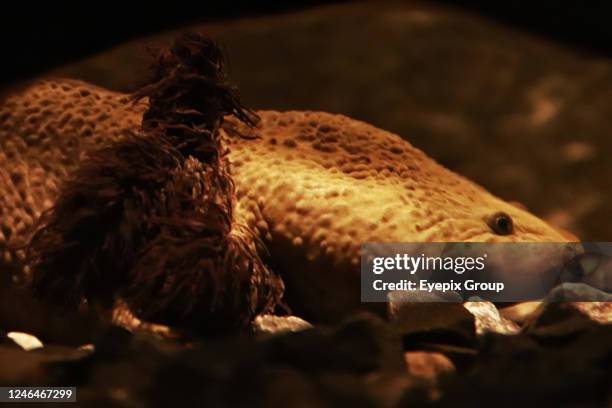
point(38, 36)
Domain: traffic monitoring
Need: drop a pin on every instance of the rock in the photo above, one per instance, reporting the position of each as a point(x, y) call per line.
point(271, 324)
point(357, 363)
point(361, 344)
point(123, 317)
point(87, 347)
point(361, 362)
point(521, 370)
point(443, 327)
point(430, 373)
point(560, 316)
point(576, 292)
point(347, 365)
point(431, 367)
point(488, 319)
point(391, 389)
point(25, 341)
point(519, 312)
point(600, 312)
point(413, 312)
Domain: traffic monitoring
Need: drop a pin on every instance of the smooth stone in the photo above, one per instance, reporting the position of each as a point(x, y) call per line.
point(488, 319)
point(271, 324)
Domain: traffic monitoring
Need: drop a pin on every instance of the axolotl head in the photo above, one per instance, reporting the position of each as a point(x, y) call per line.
point(316, 186)
point(332, 180)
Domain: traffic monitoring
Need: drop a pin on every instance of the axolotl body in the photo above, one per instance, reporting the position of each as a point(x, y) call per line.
point(312, 185)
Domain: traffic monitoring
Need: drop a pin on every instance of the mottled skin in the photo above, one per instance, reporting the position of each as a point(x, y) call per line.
point(313, 185)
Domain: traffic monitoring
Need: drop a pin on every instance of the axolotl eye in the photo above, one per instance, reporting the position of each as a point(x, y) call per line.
point(501, 223)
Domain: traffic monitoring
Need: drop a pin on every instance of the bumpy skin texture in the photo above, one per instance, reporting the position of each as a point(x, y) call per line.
point(313, 185)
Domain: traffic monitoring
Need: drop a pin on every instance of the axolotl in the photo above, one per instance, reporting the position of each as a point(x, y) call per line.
point(312, 186)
